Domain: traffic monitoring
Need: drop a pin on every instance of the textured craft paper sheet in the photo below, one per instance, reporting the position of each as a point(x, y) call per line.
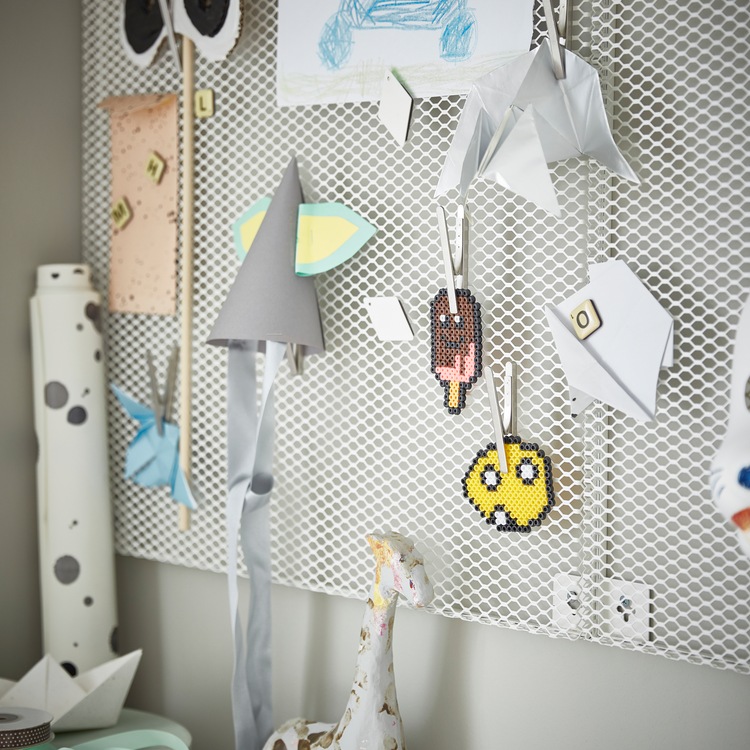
point(373, 36)
point(143, 254)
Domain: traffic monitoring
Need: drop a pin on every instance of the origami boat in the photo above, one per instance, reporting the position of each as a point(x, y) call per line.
point(92, 700)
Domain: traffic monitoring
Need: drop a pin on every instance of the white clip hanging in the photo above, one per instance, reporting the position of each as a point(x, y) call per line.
point(559, 33)
point(510, 398)
point(167, 18)
point(294, 354)
point(456, 267)
point(497, 420)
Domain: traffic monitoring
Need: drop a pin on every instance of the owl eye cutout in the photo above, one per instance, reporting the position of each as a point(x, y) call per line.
point(142, 30)
point(444, 321)
point(527, 471)
point(214, 25)
point(459, 321)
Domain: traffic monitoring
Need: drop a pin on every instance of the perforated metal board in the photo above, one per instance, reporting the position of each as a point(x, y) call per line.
point(363, 441)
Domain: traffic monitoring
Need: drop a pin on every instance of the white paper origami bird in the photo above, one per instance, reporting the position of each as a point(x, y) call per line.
point(618, 363)
point(520, 118)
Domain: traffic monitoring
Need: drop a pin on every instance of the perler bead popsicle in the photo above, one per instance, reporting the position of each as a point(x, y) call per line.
point(456, 347)
point(518, 500)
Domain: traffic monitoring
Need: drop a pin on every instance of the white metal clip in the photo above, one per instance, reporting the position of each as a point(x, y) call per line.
point(456, 267)
point(505, 424)
point(162, 405)
point(166, 16)
point(559, 33)
point(294, 353)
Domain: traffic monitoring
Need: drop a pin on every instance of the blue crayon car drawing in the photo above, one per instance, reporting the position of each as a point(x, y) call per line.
point(458, 24)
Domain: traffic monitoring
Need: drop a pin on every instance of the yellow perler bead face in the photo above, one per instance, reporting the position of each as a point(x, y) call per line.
point(518, 500)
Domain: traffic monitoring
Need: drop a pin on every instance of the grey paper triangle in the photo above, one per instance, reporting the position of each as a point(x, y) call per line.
point(268, 301)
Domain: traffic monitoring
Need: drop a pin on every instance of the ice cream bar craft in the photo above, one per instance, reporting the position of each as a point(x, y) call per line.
point(455, 323)
point(456, 346)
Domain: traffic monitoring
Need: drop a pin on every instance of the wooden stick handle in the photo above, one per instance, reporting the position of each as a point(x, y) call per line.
point(186, 312)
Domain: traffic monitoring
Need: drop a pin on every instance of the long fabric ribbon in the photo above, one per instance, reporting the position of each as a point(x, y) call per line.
point(250, 437)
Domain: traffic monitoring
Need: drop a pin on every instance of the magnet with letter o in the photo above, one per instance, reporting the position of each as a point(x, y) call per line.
point(585, 319)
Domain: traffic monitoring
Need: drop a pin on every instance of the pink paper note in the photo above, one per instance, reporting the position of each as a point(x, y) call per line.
point(143, 254)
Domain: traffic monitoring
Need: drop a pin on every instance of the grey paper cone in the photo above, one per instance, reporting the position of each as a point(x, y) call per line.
point(268, 301)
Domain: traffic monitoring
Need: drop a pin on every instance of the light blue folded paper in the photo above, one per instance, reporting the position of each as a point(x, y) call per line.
point(153, 460)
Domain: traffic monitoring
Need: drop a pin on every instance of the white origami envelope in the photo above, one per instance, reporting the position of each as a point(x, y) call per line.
point(520, 117)
point(92, 700)
point(619, 363)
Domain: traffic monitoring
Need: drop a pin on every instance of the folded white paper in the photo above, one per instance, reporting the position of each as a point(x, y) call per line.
point(619, 363)
point(520, 117)
point(388, 318)
point(92, 700)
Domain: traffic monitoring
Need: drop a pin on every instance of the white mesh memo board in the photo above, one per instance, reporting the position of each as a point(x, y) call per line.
point(363, 442)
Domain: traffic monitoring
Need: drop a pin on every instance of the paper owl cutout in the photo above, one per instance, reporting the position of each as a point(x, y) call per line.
point(213, 26)
point(456, 341)
point(518, 500)
point(730, 470)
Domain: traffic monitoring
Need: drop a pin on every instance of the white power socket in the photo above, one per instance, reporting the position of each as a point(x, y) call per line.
point(566, 601)
point(626, 610)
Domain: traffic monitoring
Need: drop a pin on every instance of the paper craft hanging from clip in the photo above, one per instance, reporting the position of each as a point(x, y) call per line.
point(509, 482)
point(152, 458)
point(143, 252)
point(328, 234)
point(521, 117)
point(455, 322)
point(619, 362)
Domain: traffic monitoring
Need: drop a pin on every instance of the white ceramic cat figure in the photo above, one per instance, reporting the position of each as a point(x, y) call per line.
point(371, 718)
point(730, 471)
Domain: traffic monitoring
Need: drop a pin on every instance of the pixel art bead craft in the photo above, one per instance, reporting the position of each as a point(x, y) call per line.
point(518, 500)
point(456, 346)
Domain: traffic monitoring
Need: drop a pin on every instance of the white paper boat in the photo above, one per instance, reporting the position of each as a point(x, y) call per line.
point(90, 701)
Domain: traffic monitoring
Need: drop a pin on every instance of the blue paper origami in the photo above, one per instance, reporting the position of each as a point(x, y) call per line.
point(152, 459)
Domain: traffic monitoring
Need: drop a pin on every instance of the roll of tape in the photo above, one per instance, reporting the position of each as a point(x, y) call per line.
point(76, 547)
point(24, 727)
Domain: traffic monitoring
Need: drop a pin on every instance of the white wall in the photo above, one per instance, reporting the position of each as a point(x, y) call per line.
point(460, 685)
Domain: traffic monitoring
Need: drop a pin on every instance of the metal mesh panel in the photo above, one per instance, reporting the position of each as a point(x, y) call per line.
point(363, 441)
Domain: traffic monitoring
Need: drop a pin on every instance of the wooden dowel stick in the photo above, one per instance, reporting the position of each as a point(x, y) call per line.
point(186, 313)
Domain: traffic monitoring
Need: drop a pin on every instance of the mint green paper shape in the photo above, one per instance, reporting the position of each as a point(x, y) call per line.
point(246, 226)
point(328, 234)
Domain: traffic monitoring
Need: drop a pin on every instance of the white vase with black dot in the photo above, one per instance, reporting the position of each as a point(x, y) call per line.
point(76, 547)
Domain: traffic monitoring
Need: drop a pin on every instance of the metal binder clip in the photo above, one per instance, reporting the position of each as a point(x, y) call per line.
point(294, 354)
point(509, 409)
point(559, 32)
point(162, 406)
point(456, 268)
point(167, 18)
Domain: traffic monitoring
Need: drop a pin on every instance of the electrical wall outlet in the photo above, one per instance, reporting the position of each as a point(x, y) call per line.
point(566, 601)
point(626, 610)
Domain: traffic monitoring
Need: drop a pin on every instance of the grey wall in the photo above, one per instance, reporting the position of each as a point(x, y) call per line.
point(40, 222)
point(460, 685)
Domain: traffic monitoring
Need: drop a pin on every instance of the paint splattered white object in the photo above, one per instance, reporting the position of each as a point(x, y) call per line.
point(76, 549)
point(371, 717)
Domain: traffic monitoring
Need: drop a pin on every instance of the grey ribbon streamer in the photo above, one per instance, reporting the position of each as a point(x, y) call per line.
point(250, 438)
